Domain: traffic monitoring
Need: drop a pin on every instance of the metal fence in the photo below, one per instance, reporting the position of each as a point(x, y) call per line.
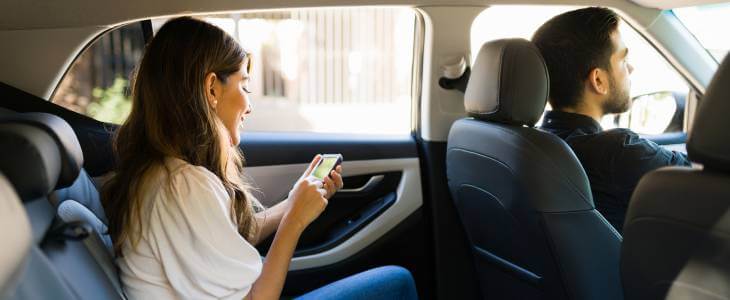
point(330, 56)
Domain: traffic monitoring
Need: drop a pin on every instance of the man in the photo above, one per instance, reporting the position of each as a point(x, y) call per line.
point(589, 78)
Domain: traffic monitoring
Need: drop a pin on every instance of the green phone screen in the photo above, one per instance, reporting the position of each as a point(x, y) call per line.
point(324, 167)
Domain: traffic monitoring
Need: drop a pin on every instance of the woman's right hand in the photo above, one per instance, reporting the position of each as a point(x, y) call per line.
point(306, 199)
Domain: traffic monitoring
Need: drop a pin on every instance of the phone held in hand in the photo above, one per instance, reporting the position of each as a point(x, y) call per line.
point(325, 166)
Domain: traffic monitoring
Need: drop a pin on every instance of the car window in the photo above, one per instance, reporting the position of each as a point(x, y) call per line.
point(658, 89)
point(97, 84)
point(708, 23)
point(345, 70)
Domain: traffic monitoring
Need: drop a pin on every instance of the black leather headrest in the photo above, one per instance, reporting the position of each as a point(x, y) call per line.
point(30, 159)
point(72, 158)
point(508, 84)
point(708, 142)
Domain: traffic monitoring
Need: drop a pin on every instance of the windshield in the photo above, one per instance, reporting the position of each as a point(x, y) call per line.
point(708, 23)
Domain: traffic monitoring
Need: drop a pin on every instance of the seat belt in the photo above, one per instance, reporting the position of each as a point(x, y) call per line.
point(80, 230)
point(96, 246)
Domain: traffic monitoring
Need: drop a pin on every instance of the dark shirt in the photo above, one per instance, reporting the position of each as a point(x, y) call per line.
point(614, 160)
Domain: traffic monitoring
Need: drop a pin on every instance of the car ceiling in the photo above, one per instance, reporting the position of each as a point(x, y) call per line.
point(38, 14)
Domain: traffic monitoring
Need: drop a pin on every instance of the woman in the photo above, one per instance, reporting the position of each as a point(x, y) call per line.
point(182, 220)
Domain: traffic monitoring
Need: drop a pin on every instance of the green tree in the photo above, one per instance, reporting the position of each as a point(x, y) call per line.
point(111, 105)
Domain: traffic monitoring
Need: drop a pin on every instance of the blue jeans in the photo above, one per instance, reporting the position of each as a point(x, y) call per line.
point(389, 282)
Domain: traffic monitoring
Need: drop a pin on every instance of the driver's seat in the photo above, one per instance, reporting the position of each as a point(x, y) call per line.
point(521, 193)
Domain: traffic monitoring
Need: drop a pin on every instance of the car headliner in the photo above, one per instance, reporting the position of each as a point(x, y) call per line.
point(37, 14)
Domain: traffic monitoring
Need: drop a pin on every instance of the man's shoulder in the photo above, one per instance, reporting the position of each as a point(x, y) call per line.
point(628, 138)
point(618, 135)
point(609, 141)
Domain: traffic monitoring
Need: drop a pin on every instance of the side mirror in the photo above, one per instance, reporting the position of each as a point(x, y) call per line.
point(657, 113)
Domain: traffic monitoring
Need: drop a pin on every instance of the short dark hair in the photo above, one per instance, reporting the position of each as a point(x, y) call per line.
point(573, 44)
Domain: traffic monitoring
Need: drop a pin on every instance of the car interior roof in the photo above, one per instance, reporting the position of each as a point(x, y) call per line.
point(16, 14)
point(45, 15)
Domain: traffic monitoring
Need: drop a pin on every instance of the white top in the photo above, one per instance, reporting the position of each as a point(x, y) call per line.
point(190, 248)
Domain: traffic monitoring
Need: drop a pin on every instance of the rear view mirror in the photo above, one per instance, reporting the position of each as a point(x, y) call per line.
point(657, 113)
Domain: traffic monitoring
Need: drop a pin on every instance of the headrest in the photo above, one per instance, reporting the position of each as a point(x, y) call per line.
point(30, 159)
point(708, 141)
point(17, 237)
point(72, 158)
point(508, 84)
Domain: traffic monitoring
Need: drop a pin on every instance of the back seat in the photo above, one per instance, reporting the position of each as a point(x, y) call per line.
point(70, 255)
point(17, 235)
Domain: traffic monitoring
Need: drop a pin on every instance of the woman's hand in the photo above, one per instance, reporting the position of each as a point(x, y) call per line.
point(333, 182)
point(306, 199)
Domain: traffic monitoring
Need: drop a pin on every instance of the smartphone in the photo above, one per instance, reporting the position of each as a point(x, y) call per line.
point(325, 166)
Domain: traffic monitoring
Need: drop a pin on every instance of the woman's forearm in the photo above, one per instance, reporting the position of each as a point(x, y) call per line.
point(268, 221)
point(276, 265)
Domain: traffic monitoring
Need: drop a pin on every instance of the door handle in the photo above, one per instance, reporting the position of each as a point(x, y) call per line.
point(373, 181)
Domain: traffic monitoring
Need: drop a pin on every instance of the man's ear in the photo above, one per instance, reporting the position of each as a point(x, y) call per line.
point(211, 85)
point(598, 81)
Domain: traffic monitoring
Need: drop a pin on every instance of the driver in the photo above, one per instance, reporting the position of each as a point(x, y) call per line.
point(589, 78)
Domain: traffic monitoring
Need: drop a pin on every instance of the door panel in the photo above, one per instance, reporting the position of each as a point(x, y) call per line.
point(348, 212)
point(376, 219)
point(276, 181)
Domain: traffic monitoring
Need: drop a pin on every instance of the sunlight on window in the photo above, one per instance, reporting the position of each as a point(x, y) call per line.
point(328, 70)
point(499, 22)
point(709, 25)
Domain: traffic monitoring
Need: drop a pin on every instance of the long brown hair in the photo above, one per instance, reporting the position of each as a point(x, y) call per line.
point(171, 117)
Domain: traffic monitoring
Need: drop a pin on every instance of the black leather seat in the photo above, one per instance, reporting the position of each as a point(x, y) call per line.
point(521, 193)
point(32, 163)
point(677, 229)
point(67, 260)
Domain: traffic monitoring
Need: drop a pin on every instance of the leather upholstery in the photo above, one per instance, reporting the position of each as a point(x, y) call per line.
point(62, 262)
point(677, 229)
point(73, 182)
point(677, 236)
point(555, 165)
point(522, 195)
point(708, 142)
point(30, 159)
point(25, 148)
point(72, 157)
point(508, 83)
